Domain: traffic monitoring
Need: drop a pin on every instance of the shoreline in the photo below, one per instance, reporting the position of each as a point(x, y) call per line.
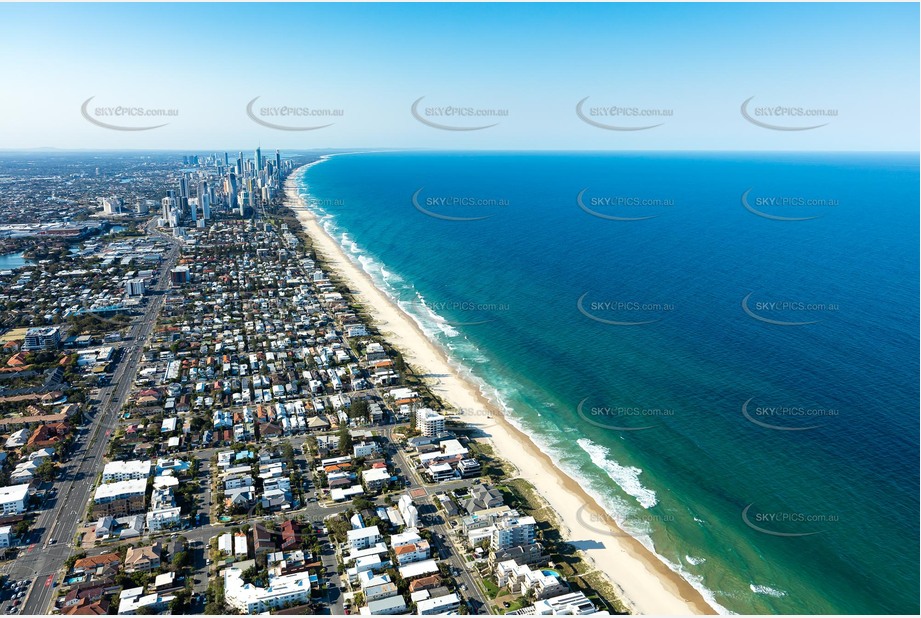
point(643, 582)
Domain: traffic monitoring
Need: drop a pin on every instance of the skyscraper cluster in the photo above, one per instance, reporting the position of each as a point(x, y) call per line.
point(217, 182)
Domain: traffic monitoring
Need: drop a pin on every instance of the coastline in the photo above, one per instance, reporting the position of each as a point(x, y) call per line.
point(644, 584)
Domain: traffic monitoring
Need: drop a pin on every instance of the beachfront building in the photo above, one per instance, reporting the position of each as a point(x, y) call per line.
point(429, 422)
point(468, 468)
point(522, 580)
point(570, 604)
point(482, 498)
point(512, 531)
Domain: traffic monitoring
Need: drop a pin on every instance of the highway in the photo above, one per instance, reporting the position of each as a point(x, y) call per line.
point(73, 487)
point(42, 561)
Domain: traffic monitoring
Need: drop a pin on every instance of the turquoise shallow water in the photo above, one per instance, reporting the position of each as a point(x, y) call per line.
point(721, 348)
point(11, 261)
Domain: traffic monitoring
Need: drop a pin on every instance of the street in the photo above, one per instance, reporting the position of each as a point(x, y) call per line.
point(73, 487)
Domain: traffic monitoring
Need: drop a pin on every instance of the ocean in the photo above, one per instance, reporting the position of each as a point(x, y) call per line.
point(721, 348)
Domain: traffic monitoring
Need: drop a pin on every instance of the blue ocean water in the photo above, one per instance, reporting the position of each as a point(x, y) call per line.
point(721, 348)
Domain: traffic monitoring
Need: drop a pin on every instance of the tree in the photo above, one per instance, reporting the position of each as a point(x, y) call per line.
point(361, 504)
point(181, 559)
point(338, 528)
point(181, 602)
point(22, 527)
point(249, 575)
point(72, 560)
point(398, 363)
point(360, 409)
point(345, 440)
point(287, 452)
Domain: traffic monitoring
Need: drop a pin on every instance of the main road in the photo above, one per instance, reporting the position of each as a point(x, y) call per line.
point(59, 523)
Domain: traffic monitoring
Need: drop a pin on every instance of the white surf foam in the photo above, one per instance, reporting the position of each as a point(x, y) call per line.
point(626, 477)
point(767, 590)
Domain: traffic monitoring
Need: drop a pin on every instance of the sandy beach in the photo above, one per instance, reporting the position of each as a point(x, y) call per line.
point(644, 583)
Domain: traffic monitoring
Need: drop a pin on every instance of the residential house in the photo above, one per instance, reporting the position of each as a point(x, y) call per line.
point(481, 498)
point(143, 559)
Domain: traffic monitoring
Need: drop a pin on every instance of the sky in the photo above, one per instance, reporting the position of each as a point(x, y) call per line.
point(650, 76)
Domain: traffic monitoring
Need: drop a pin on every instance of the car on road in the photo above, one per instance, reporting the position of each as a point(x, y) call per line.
point(52, 541)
